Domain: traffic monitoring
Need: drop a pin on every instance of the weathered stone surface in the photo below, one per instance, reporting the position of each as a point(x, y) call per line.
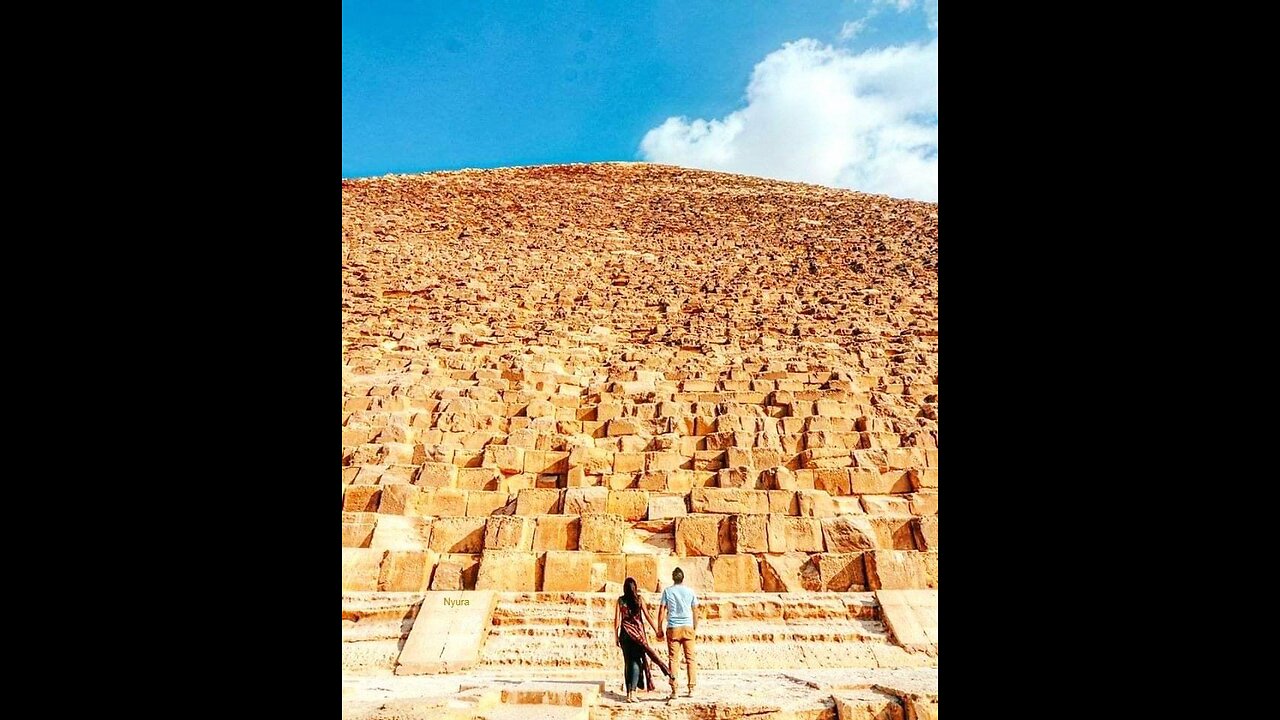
point(601, 532)
point(894, 532)
point(457, 534)
point(445, 502)
point(728, 501)
point(509, 570)
point(435, 474)
point(644, 568)
point(922, 503)
point(358, 529)
point(842, 572)
point(925, 529)
point(900, 570)
point(406, 570)
point(748, 533)
point(630, 504)
point(567, 571)
point(448, 633)
point(789, 572)
point(736, 573)
point(361, 498)
point(481, 503)
point(509, 532)
point(666, 506)
point(360, 568)
point(815, 504)
point(851, 533)
point(538, 501)
point(401, 532)
point(791, 534)
point(697, 572)
point(583, 500)
point(556, 532)
point(456, 571)
point(704, 535)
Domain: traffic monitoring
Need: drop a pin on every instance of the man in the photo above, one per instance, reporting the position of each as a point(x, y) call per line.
point(678, 613)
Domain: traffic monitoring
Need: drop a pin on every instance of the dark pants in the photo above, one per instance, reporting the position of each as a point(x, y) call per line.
point(633, 660)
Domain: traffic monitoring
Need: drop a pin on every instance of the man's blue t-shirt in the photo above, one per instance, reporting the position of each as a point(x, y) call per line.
point(679, 601)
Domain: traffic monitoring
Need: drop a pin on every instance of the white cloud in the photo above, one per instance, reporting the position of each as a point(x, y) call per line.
point(931, 13)
point(820, 114)
point(899, 5)
point(852, 28)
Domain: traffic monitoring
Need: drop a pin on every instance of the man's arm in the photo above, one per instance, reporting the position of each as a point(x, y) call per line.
point(693, 610)
point(662, 620)
point(617, 624)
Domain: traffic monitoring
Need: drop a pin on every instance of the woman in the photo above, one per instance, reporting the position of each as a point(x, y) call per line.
point(628, 627)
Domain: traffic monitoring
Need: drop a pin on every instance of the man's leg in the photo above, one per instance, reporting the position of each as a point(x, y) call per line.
point(690, 658)
point(671, 659)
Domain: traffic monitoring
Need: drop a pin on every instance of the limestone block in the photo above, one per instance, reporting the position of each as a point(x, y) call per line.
point(738, 477)
point(567, 571)
point(697, 574)
point(657, 461)
point(361, 498)
point(783, 502)
point(789, 572)
point(894, 532)
point(794, 534)
point(736, 573)
point(644, 568)
point(507, 459)
point(926, 532)
point(481, 478)
point(556, 532)
point(900, 570)
point(457, 535)
point(538, 501)
point(436, 474)
point(815, 503)
point(406, 570)
point(922, 503)
point(592, 460)
point(358, 529)
point(924, 478)
point(748, 533)
point(886, 505)
point(360, 568)
point(456, 571)
point(601, 532)
point(778, 478)
point(394, 498)
point(841, 572)
point(666, 506)
point(904, 458)
point(446, 502)
point(709, 459)
point(850, 533)
point(729, 501)
point(630, 504)
point(509, 570)
point(549, 462)
point(705, 535)
point(402, 532)
point(609, 568)
point(481, 503)
point(582, 500)
point(512, 484)
point(509, 532)
point(835, 481)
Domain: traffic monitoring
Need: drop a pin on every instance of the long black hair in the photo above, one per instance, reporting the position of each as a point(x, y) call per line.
point(630, 596)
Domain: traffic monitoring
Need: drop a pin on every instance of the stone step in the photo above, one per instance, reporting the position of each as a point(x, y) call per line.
point(534, 712)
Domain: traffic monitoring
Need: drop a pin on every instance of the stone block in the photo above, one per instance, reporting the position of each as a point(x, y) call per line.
point(841, 572)
point(705, 535)
point(582, 500)
point(630, 504)
point(926, 532)
point(922, 503)
point(794, 534)
point(815, 503)
point(402, 532)
point(894, 532)
point(435, 474)
point(481, 503)
point(697, 574)
point(850, 533)
point(783, 502)
point(736, 573)
point(601, 533)
point(666, 506)
point(789, 572)
point(457, 535)
point(509, 571)
point(835, 481)
point(900, 570)
point(406, 571)
point(923, 478)
point(728, 501)
point(446, 502)
point(509, 532)
point(546, 462)
point(644, 568)
point(538, 501)
point(456, 571)
point(506, 459)
point(358, 529)
point(360, 568)
point(748, 533)
point(886, 504)
point(361, 498)
point(481, 478)
point(567, 571)
point(556, 532)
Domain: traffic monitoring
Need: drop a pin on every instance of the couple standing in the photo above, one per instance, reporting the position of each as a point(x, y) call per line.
point(678, 608)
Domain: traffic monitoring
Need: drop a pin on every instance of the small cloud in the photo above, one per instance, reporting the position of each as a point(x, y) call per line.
point(850, 29)
point(899, 5)
point(931, 13)
point(821, 114)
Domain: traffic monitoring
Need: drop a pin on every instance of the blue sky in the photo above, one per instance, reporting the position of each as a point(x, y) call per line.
point(446, 85)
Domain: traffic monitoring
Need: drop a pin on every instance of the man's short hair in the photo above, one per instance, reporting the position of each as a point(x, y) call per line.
point(677, 575)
